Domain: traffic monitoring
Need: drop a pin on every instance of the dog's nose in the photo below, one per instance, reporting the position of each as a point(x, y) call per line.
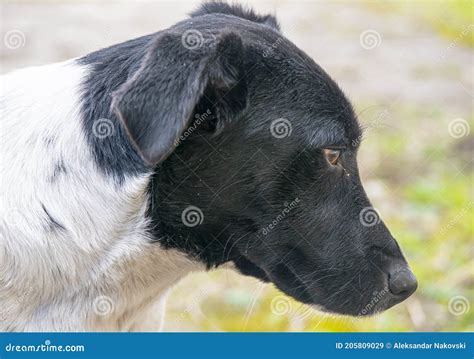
point(402, 282)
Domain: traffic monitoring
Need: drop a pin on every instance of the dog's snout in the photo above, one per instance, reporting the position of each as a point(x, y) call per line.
point(402, 282)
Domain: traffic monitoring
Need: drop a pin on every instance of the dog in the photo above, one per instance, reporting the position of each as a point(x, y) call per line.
point(214, 142)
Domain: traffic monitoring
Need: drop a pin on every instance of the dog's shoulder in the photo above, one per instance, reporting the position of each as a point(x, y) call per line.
point(68, 230)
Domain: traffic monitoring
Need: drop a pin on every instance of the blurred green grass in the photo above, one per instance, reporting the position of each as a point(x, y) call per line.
point(420, 178)
point(452, 19)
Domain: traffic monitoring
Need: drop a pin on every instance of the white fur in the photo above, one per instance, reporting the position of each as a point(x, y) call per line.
point(101, 272)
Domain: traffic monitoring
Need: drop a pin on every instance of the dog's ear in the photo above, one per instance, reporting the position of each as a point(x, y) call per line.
point(157, 103)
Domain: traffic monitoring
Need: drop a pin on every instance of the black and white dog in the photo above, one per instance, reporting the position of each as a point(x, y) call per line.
point(214, 141)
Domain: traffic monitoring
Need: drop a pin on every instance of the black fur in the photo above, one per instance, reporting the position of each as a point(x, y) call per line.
point(182, 76)
point(53, 224)
point(245, 76)
point(220, 7)
point(110, 68)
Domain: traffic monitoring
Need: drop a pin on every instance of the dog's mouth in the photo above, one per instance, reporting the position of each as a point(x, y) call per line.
point(281, 274)
point(288, 281)
point(298, 286)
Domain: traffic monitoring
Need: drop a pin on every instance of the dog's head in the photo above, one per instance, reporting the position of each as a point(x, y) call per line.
point(254, 150)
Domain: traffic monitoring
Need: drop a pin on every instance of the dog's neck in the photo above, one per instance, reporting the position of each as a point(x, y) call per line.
point(75, 252)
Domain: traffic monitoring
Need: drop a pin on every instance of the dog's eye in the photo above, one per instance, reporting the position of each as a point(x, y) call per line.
point(332, 155)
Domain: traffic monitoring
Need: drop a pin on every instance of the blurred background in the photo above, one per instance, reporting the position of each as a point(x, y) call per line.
point(408, 68)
